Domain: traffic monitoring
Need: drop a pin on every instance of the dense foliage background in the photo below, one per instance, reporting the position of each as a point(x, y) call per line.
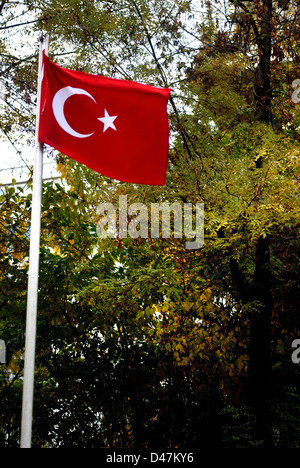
point(141, 342)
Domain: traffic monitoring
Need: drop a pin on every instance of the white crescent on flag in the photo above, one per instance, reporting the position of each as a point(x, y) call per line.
point(58, 103)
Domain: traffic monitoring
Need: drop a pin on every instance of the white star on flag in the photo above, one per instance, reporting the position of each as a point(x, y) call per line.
point(108, 121)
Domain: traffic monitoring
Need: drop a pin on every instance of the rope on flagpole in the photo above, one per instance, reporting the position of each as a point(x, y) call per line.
point(34, 254)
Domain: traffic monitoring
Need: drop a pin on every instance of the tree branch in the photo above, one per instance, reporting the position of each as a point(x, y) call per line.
point(184, 135)
point(18, 24)
point(2, 6)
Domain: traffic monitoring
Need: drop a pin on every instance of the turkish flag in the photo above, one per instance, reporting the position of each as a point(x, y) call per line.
point(116, 127)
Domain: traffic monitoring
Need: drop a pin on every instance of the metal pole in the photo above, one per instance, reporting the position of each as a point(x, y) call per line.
point(34, 254)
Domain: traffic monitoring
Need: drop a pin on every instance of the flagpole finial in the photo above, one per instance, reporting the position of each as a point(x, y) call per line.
point(44, 40)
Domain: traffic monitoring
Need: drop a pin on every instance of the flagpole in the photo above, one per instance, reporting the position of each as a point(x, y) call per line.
point(34, 254)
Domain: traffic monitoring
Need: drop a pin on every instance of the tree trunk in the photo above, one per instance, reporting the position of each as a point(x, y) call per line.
point(258, 294)
point(262, 86)
point(259, 371)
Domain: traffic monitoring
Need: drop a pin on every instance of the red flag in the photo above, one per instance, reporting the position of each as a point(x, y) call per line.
point(116, 127)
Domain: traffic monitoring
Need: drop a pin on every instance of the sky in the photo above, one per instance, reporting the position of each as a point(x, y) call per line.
point(14, 165)
point(17, 158)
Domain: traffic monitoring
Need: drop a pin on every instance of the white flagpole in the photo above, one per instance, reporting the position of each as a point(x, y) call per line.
point(34, 254)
